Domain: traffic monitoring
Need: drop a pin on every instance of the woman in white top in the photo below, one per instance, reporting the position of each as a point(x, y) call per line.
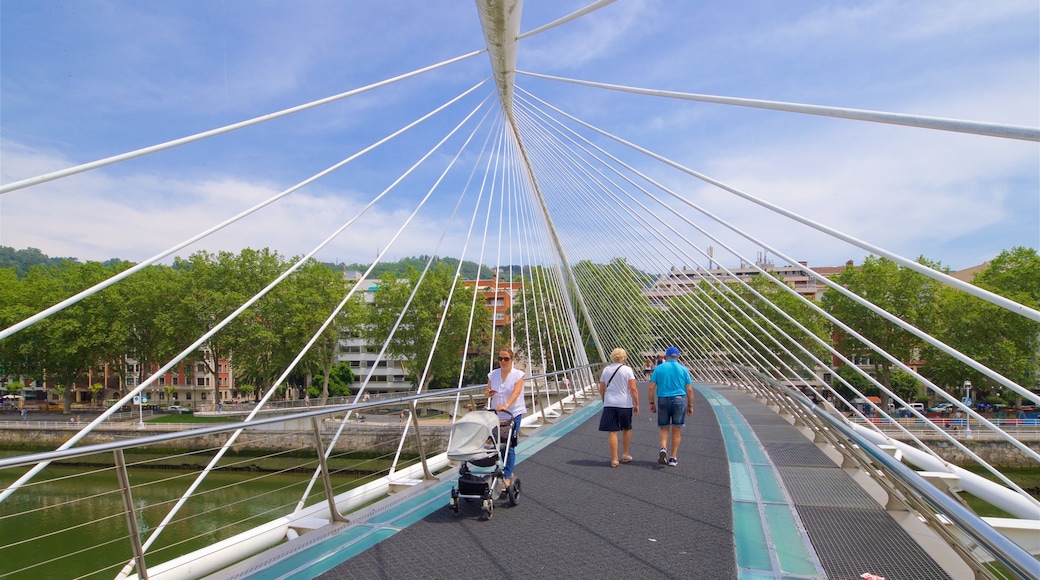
point(617, 388)
point(506, 389)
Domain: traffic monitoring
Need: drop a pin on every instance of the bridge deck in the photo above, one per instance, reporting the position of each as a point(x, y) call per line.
point(748, 492)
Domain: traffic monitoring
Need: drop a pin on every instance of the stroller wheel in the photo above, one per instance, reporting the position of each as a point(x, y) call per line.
point(489, 508)
point(453, 503)
point(513, 492)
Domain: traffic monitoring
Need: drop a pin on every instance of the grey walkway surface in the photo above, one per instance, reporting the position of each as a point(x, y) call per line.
point(849, 530)
point(580, 518)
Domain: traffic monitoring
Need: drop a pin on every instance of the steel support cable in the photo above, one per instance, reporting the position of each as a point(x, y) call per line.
point(158, 529)
point(984, 421)
point(664, 240)
point(496, 197)
point(553, 173)
point(548, 283)
point(558, 278)
point(331, 317)
point(530, 221)
point(550, 178)
point(638, 217)
point(572, 16)
point(539, 253)
point(207, 335)
point(551, 284)
point(393, 240)
point(920, 121)
point(830, 285)
point(905, 262)
point(448, 302)
point(809, 303)
point(489, 154)
point(169, 251)
point(565, 267)
point(220, 131)
point(523, 231)
point(575, 161)
point(487, 183)
point(531, 307)
point(540, 278)
point(647, 209)
point(943, 434)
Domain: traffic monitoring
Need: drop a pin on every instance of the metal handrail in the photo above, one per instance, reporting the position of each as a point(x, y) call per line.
point(1008, 553)
point(72, 452)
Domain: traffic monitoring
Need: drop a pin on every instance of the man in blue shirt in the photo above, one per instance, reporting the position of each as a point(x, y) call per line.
point(671, 397)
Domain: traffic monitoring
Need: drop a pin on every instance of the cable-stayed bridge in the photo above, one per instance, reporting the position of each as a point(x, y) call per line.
point(612, 244)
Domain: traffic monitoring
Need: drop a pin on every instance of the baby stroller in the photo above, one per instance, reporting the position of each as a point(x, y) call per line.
point(480, 440)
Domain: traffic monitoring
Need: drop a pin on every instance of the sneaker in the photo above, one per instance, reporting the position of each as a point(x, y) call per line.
point(673, 462)
point(662, 456)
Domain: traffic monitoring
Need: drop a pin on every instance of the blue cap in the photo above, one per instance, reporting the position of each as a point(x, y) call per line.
point(672, 352)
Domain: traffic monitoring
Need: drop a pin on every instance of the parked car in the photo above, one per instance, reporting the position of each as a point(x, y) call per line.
point(178, 409)
point(942, 408)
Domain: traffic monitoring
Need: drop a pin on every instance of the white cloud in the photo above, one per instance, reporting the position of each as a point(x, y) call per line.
point(95, 216)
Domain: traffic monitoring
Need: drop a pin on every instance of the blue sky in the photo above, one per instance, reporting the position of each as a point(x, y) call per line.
point(84, 80)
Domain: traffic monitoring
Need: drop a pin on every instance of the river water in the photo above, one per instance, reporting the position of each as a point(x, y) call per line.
point(70, 522)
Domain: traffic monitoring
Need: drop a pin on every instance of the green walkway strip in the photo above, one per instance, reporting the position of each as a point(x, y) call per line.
point(769, 541)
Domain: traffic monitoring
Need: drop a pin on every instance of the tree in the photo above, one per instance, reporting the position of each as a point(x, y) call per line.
point(340, 379)
point(857, 380)
point(612, 288)
point(149, 323)
point(537, 309)
point(216, 286)
point(1000, 339)
point(97, 391)
point(305, 303)
point(787, 333)
point(413, 340)
point(902, 292)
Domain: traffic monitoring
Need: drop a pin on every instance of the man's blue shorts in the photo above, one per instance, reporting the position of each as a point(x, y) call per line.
point(671, 411)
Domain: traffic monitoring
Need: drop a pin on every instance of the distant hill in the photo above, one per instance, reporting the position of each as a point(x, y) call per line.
point(468, 271)
point(22, 260)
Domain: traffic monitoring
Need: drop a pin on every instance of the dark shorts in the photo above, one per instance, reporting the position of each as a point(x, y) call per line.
point(671, 411)
point(616, 419)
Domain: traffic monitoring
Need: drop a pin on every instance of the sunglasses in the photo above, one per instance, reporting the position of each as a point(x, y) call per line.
point(504, 358)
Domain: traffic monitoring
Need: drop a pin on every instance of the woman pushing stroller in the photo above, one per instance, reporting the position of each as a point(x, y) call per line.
point(505, 388)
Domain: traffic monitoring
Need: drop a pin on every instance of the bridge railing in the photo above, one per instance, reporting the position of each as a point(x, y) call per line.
point(918, 480)
point(185, 504)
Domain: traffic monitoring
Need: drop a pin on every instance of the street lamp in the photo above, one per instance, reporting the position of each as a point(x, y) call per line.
point(967, 394)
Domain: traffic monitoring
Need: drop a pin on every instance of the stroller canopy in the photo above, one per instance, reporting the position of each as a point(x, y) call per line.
point(470, 434)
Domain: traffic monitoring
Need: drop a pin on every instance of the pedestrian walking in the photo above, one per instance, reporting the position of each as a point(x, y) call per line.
point(617, 388)
point(505, 388)
point(671, 397)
